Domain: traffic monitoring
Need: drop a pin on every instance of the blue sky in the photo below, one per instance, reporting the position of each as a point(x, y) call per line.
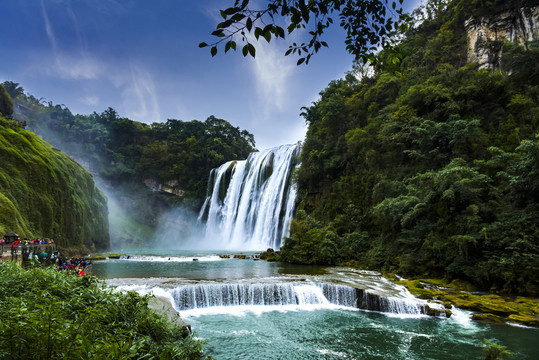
point(142, 58)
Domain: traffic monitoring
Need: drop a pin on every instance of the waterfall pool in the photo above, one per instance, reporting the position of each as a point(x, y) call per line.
point(247, 309)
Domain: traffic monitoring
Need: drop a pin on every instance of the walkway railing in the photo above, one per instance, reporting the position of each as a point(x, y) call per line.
point(20, 253)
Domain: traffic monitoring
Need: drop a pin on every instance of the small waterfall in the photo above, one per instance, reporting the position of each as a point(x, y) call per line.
point(250, 203)
point(218, 295)
point(340, 294)
point(305, 293)
point(369, 301)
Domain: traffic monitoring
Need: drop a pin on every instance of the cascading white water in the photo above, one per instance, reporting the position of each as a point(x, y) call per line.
point(250, 203)
point(340, 294)
point(201, 296)
point(219, 295)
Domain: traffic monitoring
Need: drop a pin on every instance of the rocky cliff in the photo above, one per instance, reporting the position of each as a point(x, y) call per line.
point(486, 35)
point(171, 187)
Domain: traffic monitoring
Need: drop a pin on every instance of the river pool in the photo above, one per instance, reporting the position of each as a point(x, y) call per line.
point(246, 309)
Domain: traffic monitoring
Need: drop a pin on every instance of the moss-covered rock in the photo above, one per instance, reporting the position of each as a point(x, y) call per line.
point(488, 318)
point(45, 193)
point(488, 307)
point(530, 320)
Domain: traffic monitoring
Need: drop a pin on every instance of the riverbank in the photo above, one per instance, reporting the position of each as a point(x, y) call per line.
point(42, 312)
point(243, 308)
point(487, 307)
point(491, 308)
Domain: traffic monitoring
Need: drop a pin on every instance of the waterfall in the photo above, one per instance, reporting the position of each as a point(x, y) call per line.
point(250, 203)
point(369, 301)
point(200, 296)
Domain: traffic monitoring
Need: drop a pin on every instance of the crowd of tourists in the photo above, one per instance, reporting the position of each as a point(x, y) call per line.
point(26, 241)
point(69, 265)
point(72, 265)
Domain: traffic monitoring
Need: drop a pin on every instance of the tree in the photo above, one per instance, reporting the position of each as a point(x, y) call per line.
point(368, 24)
point(13, 89)
point(6, 103)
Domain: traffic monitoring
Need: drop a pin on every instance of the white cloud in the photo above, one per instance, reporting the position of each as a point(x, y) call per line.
point(140, 96)
point(77, 67)
point(71, 65)
point(48, 27)
point(272, 72)
point(90, 100)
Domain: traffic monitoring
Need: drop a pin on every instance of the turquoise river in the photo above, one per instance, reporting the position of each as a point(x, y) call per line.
point(247, 309)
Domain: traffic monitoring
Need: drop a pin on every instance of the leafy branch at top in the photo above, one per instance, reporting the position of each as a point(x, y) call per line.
point(368, 24)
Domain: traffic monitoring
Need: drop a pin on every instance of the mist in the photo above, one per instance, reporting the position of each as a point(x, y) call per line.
point(178, 229)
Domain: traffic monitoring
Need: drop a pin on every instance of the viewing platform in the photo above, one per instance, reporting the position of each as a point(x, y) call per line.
point(20, 253)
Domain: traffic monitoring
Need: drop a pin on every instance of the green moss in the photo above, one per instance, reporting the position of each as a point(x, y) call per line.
point(103, 256)
point(454, 284)
point(45, 193)
point(95, 257)
point(489, 307)
point(530, 320)
point(488, 318)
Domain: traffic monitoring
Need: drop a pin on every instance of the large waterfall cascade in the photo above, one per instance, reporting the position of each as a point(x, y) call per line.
point(250, 203)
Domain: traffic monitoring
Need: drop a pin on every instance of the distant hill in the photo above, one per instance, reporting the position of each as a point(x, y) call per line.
point(45, 193)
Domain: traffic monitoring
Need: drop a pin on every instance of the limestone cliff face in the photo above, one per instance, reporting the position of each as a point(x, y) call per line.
point(487, 35)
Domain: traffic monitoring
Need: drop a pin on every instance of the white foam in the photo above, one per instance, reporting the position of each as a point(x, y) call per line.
point(462, 318)
point(171, 258)
point(332, 353)
point(242, 310)
point(520, 325)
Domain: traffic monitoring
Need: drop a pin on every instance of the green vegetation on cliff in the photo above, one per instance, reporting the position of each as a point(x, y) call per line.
point(429, 166)
point(122, 151)
point(46, 314)
point(45, 193)
point(131, 160)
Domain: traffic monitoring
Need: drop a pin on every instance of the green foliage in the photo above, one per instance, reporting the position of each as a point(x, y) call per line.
point(428, 168)
point(13, 89)
point(368, 24)
point(125, 155)
point(46, 314)
point(123, 151)
point(128, 156)
point(6, 103)
point(495, 351)
point(45, 193)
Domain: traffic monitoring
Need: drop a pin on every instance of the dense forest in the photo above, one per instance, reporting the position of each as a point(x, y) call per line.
point(120, 150)
point(133, 161)
point(45, 193)
point(427, 165)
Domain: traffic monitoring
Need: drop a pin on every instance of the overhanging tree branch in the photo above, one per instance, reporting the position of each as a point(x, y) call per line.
point(368, 24)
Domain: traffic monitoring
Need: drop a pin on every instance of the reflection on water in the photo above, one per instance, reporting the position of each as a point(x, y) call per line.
point(201, 269)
